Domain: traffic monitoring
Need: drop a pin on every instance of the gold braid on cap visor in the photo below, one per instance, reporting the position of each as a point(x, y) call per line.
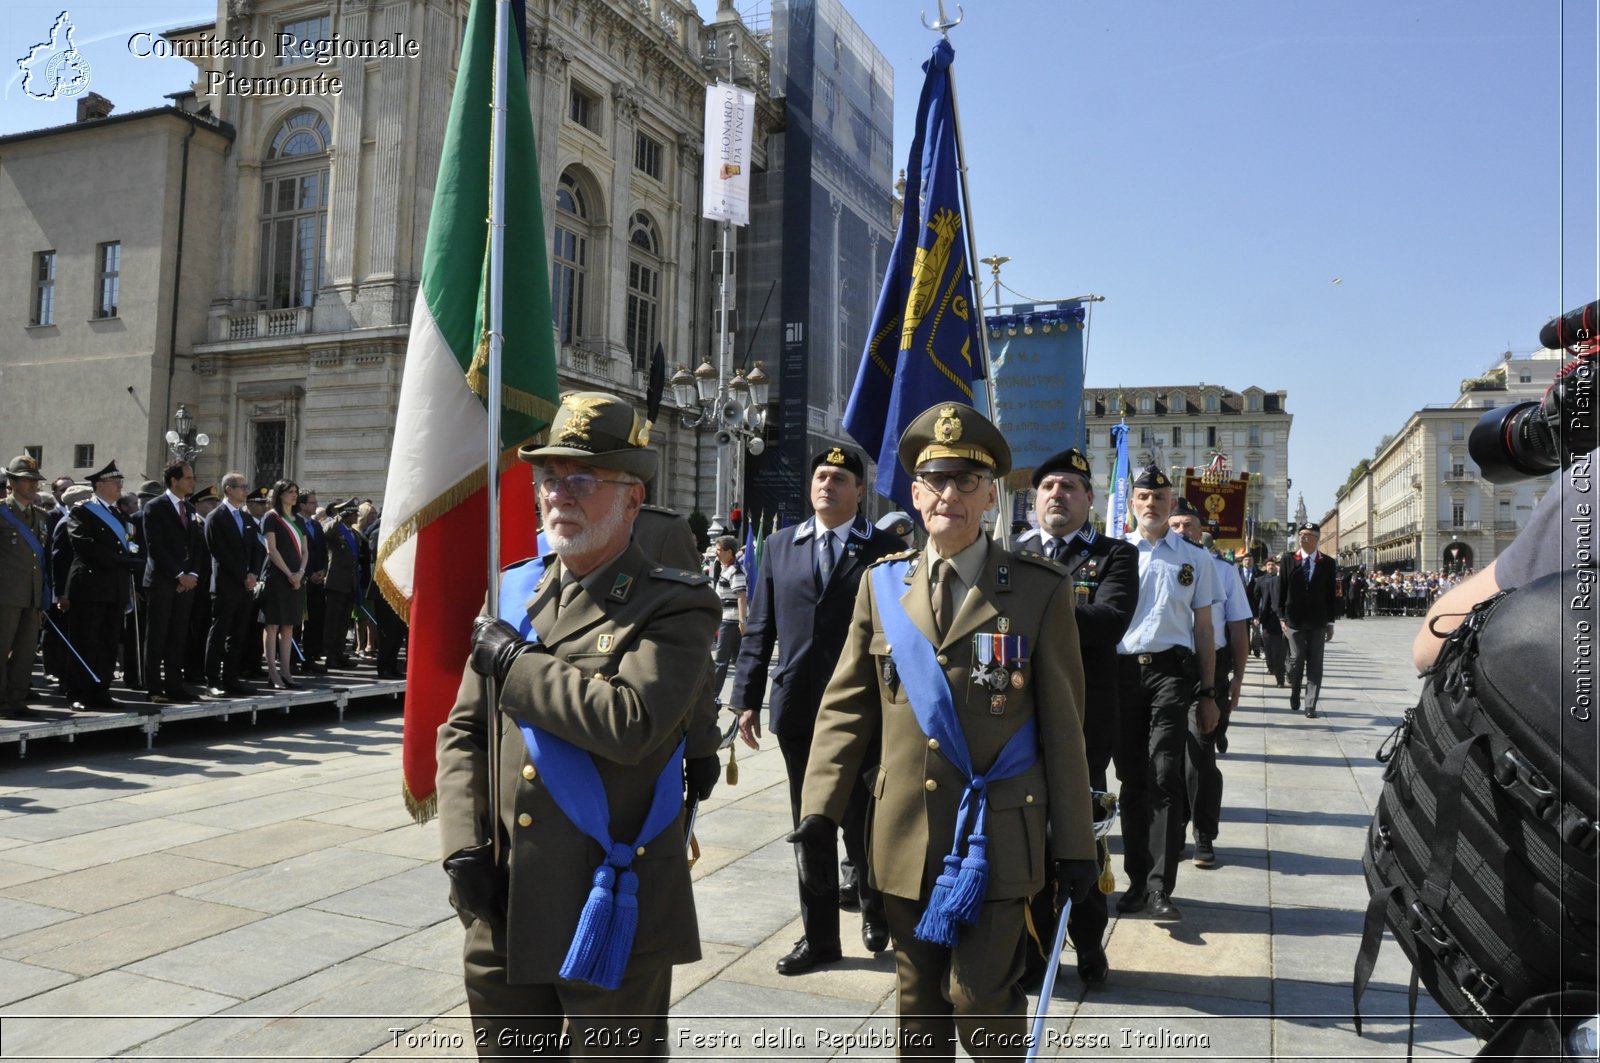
point(944, 450)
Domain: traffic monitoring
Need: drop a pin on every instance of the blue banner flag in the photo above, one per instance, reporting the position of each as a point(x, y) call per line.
point(1036, 359)
point(1117, 515)
point(923, 346)
point(749, 558)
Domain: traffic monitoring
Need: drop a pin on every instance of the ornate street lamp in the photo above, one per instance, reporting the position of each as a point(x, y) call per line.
point(184, 443)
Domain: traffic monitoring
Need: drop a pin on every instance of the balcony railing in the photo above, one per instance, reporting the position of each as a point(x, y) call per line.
point(1389, 535)
point(1463, 526)
point(262, 324)
point(1461, 476)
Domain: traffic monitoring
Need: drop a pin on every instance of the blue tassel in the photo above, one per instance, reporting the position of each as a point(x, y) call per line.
point(594, 925)
point(972, 881)
point(612, 961)
point(937, 926)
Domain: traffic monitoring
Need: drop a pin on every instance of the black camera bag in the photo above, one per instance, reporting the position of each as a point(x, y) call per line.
point(1482, 858)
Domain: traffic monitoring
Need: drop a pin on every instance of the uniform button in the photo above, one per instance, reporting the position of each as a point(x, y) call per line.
point(943, 659)
point(528, 772)
point(525, 820)
point(639, 851)
point(933, 743)
point(930, 786)
point(1028, 799)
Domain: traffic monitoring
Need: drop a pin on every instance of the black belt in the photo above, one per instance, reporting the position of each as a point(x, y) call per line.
point(1171, 653)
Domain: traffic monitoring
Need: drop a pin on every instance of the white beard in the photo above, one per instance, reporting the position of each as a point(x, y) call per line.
point(589, 539)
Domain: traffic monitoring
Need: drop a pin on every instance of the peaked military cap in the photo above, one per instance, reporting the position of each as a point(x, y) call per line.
point(1151, 477)
point(600, 430)
point(1182, 507)
point(899, 522)
point(952, 436)
point(1310, 526)
point(841, 458)
point(209, 494)
point(1069, 460)
point(260, 494)
point(23, 467)
point(347, 508)
point(110, 472)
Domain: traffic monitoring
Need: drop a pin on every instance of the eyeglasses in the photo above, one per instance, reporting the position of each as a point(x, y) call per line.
point(966, 482)
point(578, 485)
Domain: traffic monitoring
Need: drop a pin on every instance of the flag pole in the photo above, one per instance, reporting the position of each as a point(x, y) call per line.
point(943, 26)
point(494, 326)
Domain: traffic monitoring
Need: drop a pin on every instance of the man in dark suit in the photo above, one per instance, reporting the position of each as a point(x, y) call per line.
point(1308, 590)
point(343, 584)
point(311, 637)
point(236, 559)
point(1105, 578)
point(98, 585)
point(170, 577)
point(802, 600)
point(201, 505)
point(1273, 643)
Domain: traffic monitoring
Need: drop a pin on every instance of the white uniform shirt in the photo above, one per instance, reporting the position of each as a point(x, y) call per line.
point(1164, 616)
point(1236, 606)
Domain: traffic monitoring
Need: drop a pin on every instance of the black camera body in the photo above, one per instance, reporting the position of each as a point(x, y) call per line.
point(1531, 439)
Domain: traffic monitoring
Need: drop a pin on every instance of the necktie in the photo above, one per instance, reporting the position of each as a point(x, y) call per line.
point(183, 514)
point(238, 519)
point(943, 601)
point(1311, 563)
point(569, 594)
point(1052, 548)
point(824, 559)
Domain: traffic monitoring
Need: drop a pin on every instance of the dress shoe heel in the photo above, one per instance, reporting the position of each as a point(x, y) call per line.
point(1133, 901)
point(874, 935)
point(804, 958)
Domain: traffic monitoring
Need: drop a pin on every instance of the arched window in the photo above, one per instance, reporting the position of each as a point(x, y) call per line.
point(644, 288)
point(1176, 404)
point(1146, 404)
point(294, 211)
point(1211, 402)
point(569, 270)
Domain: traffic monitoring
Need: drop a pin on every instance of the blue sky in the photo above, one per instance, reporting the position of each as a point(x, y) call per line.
point(1212, 169)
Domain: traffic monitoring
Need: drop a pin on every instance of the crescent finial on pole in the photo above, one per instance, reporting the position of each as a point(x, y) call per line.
point(944, 24)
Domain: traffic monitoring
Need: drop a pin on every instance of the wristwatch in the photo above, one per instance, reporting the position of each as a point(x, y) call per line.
point(1207, 692)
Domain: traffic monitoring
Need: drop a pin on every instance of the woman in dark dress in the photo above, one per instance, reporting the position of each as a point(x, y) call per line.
point(283, 596)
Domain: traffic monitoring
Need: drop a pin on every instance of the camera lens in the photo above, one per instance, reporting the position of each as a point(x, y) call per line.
point(1514, 443)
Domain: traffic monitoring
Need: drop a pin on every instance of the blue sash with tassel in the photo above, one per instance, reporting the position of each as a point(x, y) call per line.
point(958, 893)
point(604, 939)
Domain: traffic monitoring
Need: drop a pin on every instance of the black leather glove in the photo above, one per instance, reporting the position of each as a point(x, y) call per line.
point(495, 645)
point(815, 847)
point(477, 886)
point(1075, 879)
point(700, 775)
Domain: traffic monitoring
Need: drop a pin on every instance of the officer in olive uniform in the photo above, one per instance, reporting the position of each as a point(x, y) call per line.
point(1105, 581)
point(979, 646)
point(24, 587)
point(599, 677)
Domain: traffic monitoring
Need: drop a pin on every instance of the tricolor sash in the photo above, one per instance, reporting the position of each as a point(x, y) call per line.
point(604, 939)
point(33, 544)
point(959, 891)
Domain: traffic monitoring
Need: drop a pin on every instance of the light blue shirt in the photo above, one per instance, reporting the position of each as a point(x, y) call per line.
point(1236, 604)
point(1176, 577)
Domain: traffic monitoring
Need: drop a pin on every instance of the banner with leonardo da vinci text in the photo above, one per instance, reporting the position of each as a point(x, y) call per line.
point(730, 130)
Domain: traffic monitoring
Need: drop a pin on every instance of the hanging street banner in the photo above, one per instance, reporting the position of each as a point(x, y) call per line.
point(1038, 356)
point(730, 130)
point(1223, 506)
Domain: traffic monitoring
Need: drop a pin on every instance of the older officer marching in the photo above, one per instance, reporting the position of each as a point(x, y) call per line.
point(963, 660)
point(599, 658)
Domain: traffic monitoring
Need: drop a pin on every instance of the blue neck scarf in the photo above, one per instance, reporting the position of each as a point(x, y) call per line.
point(603, 942)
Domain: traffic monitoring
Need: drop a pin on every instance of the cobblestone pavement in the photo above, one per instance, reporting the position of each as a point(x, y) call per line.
point(259, 892)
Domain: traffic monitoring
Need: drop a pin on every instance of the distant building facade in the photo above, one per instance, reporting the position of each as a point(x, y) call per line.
point(1422, 504)
point(1184, 425)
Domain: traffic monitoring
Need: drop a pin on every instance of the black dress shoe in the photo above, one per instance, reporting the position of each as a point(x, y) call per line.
point(1133, 901)
point(79, 706)
point(216, 692)
point(181, 696)
point(1093, 966)
point(849, 899)
point(1163, 909)
point(874, 935)
point(804, 957)
point(1311, 714)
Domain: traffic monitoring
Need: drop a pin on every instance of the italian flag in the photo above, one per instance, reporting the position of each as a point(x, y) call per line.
point(433, 560)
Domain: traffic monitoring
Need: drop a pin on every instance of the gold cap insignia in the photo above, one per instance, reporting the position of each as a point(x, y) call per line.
point(948, 428)
point(584, 409)
point(1079, 463)
point(835, 457)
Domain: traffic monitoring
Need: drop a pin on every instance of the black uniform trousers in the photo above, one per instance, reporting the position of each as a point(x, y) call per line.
point(96, 630)
point(166, 635)
point(391, 633)
point(229, 635)
point(1275, 645)
point(1202, 777)
point(1154, 702)
point(194, 651)
point(335, 624)
point(316, 602)
point(819, 912)
point(133, 625)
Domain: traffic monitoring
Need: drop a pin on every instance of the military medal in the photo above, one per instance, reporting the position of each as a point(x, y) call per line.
point(606, 642)
point(997, 705)
point(1003, 625)
point(1017, 680)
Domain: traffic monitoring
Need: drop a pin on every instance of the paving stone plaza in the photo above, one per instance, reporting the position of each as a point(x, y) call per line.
point(258, 891)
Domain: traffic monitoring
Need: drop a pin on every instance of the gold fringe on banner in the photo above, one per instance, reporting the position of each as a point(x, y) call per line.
point(421, 810)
